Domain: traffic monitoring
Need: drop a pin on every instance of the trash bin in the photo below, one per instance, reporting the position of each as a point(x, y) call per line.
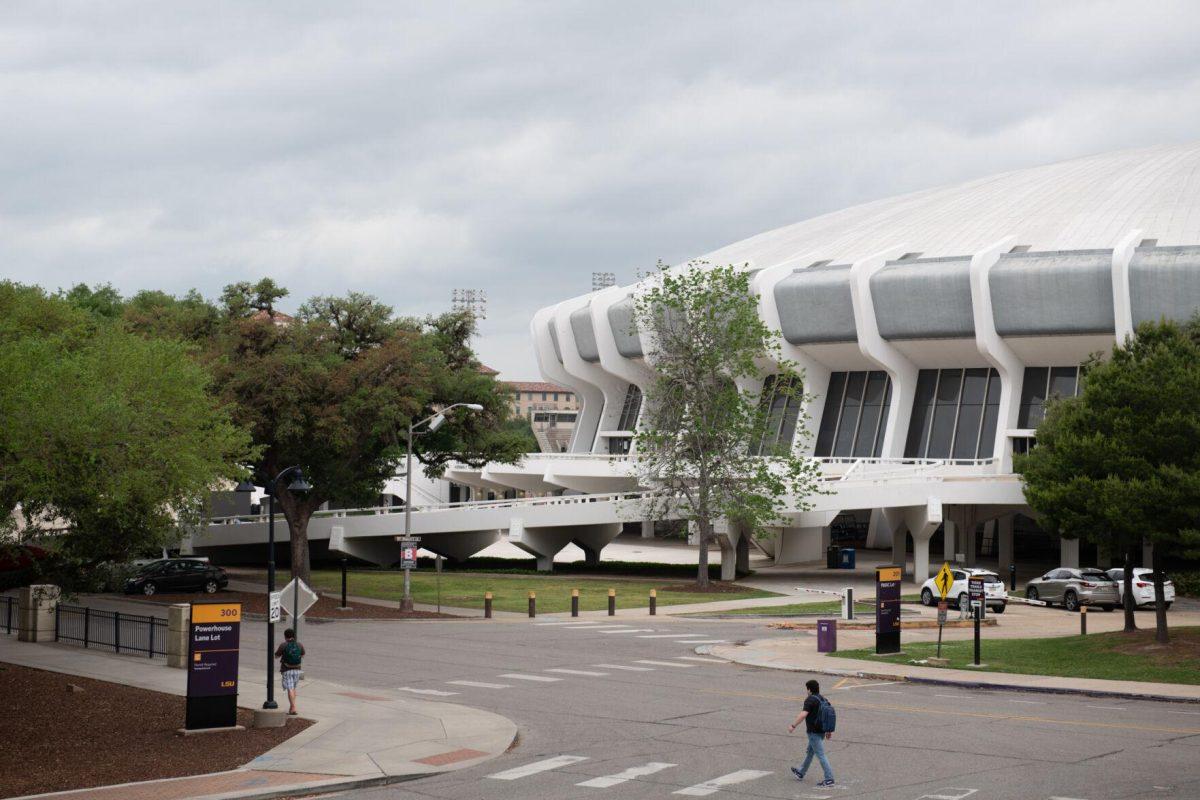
point(846, 558)
point(831, 556)
point(827, 636)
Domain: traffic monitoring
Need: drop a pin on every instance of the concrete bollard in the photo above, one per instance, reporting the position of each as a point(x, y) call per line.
point(653, 602)
point(179, 616)
point(612, 602)
point(1083, 620)
point(37, 607)
point(574, 602)
point(532, 605)
point(487, 605)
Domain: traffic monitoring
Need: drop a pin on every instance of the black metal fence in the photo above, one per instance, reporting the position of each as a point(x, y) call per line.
point(111, 630)
point(8, 613)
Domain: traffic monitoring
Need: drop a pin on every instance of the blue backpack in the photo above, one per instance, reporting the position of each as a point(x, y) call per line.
point(826, 716)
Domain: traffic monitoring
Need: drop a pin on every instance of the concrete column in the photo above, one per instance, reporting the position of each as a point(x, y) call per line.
point(801, 545)
point(921, 555)
point(1069, 549)
point(968, 543)
point(1147, 553)
point(743, 553)
point(949, 530)
point(728, 558)
point(1004, 533)
point(900, 546)
point(179, 616)
point(647, 529)
point(35, 612)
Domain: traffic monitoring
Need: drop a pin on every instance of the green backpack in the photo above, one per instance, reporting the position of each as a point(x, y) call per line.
point(291, 654)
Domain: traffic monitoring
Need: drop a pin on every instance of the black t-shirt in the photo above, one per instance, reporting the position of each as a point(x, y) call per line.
point(812, 723)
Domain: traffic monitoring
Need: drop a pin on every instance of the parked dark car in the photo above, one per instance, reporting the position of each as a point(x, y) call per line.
point(177, 575)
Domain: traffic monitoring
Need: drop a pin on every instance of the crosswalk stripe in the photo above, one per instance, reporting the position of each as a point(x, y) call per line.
point(578, 672)
point(702, 658)
point(606, 781)
point(716, 784)
point(670, 636)
point(701, 641)
point(622, 666)
point(549, 624)
point(480, 684)
point(662, 663)
point(517, 676)
point(537, 766)
point(609, 627)
point(631, 630)
point(432, 692)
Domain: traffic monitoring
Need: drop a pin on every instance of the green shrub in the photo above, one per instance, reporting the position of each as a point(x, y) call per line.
point(1187, 584)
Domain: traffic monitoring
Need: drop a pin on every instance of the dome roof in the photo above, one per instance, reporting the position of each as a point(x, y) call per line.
point(1086, 203)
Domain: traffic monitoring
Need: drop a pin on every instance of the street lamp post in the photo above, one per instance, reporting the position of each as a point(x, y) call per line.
point(298, 486)
point(434, 421)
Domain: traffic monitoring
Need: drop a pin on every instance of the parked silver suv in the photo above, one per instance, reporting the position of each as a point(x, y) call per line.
point(1074, 588)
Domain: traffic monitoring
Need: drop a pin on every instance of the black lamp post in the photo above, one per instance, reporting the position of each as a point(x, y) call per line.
point(297, 486)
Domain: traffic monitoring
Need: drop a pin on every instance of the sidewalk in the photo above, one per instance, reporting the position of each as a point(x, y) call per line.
point(359, 738)
point(799, 654)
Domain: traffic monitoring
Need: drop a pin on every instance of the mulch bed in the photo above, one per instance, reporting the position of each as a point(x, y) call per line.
point(58, 738)
point(325, 608)
point(714, 587)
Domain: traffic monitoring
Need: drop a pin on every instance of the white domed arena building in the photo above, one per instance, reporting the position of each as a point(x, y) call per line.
point(930, 327)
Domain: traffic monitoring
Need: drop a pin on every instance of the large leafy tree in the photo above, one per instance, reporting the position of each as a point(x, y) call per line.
point(1121, 462)
point(701, 434)
point(111, 438)
point(333, 390)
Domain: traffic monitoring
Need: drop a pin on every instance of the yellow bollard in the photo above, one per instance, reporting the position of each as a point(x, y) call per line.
point(487, 605)
point(612, 602)
point(533, 604)
point(653, 602)
point(574, 602)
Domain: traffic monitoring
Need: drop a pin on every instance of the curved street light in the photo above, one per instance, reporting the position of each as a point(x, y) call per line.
point(434, 421)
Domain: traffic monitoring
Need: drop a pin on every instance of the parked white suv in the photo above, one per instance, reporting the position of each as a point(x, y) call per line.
point(994, 595)
point(1143, 586)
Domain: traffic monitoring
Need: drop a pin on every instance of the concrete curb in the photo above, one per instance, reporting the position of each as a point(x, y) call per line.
point(965, 684)
point(289, 790)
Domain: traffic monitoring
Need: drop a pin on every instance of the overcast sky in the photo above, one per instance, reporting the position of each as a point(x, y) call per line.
point(405, 149)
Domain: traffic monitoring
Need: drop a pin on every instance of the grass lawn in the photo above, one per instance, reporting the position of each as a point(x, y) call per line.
point(1114, 656)
point(511, 592)
point(823, 607)
point(820, 607)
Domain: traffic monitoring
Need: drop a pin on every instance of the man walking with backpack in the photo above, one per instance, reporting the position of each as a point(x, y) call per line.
point(290, 654)
point(819, 722)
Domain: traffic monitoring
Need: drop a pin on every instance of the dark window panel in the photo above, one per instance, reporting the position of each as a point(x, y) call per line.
point(829, 416)
point(1033, 395)
point(848, 426)
point(1062, 381)
point(883, 417)
point(918, 427)
point(942, 431)
point(974, 386)
point(966, 434)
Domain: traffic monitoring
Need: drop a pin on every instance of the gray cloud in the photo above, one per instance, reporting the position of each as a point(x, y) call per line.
point(408, 148)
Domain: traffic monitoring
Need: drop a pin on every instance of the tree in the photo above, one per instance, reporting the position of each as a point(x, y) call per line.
point(1121, 462)
point(334, 390)
point(701, 439)
point(112, 437)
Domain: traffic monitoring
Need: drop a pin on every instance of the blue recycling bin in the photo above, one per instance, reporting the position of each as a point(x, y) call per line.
point(846, 558)
point(827, 636)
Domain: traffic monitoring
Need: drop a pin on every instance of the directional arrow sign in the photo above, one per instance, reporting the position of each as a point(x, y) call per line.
point(944, 580)
point(304, 598)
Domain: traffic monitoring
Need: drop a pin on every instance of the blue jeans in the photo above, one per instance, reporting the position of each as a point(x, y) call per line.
point(816, 746)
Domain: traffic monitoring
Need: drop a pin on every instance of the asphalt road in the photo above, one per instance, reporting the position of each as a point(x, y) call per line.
point(642, 707)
